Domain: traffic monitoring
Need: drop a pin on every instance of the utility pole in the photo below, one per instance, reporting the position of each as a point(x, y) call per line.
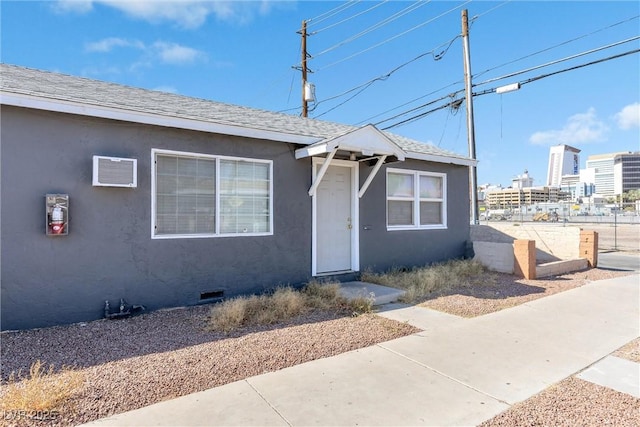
point(303, 32)
point(473, 175)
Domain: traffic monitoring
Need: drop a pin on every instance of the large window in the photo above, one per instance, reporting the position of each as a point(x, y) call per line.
point(197, 195)
point(416, 199)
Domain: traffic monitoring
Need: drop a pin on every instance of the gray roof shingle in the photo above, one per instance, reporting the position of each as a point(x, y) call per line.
point(78, 90)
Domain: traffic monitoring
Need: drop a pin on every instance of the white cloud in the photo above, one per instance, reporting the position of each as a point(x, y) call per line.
point(629, 116)
point(166, 52)
point(186, 13)
point(107, 44)
point(72, 6)
point(579, 129)
point(173, 53)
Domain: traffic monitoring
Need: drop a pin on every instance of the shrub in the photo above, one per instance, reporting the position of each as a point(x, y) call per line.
point(42, 390)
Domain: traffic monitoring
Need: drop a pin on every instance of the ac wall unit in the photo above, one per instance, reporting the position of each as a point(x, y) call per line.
point(115, 172)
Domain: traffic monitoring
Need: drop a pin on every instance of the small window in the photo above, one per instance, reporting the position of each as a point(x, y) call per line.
point(205, 196)
point(415, 199)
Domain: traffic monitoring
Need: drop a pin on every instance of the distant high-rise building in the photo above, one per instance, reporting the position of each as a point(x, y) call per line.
point(615, 173)
point(563, 160)
point(626, 172)
point(522, 181)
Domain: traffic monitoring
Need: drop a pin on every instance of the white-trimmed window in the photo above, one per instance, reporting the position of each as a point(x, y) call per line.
point(416, 199)
point(199, 195)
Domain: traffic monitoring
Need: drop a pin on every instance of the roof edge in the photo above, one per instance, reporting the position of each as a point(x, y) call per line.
point(114, 113)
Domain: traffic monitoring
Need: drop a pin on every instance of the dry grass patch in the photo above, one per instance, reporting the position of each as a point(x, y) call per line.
point(283, 304)
point(422, 282)
point(42, 390)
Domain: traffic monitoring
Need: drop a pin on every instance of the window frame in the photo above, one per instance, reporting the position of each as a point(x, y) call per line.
point(217, 158)
point(416, 199)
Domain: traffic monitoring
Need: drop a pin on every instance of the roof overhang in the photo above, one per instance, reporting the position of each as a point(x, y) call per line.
point(130, 115)
point(367, 141)
point(462, 161)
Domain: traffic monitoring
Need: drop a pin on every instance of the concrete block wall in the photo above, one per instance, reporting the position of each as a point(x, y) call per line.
point(553, 242)
point(561, 267)
point(495, 256)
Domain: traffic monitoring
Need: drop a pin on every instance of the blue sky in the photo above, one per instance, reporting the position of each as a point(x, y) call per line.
point(242, 52)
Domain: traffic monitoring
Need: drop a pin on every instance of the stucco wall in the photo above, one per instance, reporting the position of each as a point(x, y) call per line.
point(381, 249)
point(109, 253)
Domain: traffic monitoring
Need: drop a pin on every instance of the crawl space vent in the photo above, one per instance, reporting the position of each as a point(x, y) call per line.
point(115, 172)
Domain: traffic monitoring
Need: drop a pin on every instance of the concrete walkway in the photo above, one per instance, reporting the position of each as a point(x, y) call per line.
point(456, 372)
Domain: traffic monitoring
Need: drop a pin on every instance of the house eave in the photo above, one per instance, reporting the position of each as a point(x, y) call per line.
point(442, 159)
point(71, 107)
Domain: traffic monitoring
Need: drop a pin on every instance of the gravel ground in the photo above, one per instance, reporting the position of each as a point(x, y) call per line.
point(492, 292)
point(572, 402)
point(130, 363)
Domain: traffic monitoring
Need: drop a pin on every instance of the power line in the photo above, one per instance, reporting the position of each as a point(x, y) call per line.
point(474, 18)
point(345, 101)
point(557, 61)
point(598, 61)
point(557, 45)
point(367, 120)
point(348, 19)
point(385, 76)
point(457, 102)
point(454, 104)
point(374, 27)
point(394, 37)
point(451, 95)
point(332, 12)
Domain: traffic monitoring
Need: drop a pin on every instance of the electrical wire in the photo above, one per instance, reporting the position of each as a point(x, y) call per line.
point(326, 15)
point(374, 27)
point(456, 103)
point(475, 17)
point(557, 61)
point(557, 45)
point(385, 76)
point(451, 95)
point(367, 120)
point(394, 37)
point(378, 4)
point(564, 70)
point(344, 102)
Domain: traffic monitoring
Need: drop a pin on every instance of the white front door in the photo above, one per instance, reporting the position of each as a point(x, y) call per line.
point(335, 219)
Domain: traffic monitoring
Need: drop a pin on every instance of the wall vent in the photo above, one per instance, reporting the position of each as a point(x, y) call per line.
point(115, 172)
point(211, 295)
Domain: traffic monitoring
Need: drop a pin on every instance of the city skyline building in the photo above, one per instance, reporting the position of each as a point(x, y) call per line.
point(563, 160)
point(626, 172)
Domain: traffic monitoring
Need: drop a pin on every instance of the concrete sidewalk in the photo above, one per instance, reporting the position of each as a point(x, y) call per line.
point(456, 372)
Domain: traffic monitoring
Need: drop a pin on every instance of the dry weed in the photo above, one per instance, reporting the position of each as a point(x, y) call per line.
point(43, 390)
point(285, 303)
point(423, 281)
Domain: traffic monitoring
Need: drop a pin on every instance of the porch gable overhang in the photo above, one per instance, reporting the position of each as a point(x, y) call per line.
point(367, 141)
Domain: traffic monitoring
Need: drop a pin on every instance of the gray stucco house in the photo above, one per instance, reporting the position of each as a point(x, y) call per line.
point(113, 192)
